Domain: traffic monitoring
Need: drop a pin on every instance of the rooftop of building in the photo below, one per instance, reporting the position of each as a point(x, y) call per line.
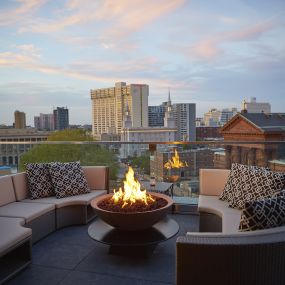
point(266, 121)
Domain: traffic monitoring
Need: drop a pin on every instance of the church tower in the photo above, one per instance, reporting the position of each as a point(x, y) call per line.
point(127, 120)
point(169, 120)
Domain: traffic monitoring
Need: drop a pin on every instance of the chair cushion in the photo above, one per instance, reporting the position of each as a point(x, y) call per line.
point(83, 199)
point(39, 180)
point(12, 233)
point(234, 182)
point(263, 214)
point(68, 179)
point(257, 185)
point(230, 217)
point(27, 211)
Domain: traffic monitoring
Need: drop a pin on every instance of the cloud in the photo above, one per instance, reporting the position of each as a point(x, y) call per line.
point(211, 48)
point(101, 72)
point(23, 10)
point(115, 18)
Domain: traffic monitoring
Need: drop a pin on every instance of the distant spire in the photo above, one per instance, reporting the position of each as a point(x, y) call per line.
point(169, 100)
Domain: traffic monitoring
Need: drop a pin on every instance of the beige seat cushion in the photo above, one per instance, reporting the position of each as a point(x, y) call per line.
point(7, 194)
point(83, 199)
point(12, 233)
point(230, 217)
point(27, 211)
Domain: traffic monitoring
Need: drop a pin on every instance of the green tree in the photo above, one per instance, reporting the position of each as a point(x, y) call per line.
point(142, 162)
point(87, 154)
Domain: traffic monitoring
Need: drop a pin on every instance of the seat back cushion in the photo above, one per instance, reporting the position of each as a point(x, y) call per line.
point(68, 179)
point(96, 177)
point(39, 180)
point(212, 181)
point(20, 182)
point(7, 194)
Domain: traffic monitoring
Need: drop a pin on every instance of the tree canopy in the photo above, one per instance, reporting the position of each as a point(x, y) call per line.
point(87, 154)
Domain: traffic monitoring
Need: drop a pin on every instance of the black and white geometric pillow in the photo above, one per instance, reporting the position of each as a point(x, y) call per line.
point(233, 183)
point(257, 185)
point(39, 180)
point(68, 179)
point(263, 214)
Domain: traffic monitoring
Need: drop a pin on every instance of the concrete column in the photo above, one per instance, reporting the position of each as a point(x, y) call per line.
point(251, 156)
point(236, 154)
point(228, 160)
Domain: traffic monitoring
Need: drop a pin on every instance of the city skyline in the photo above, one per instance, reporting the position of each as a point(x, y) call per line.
point(212, 54)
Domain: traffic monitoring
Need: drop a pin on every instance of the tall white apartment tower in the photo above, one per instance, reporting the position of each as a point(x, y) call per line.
point(109, 106)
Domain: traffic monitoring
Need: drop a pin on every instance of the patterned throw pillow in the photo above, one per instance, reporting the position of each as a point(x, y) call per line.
point(68, 179)
point(263, 214)
point(234, 180)
point(257, 185)
point(39, 181)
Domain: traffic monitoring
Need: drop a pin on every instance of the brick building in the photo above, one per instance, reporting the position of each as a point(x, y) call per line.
point(208, 133)
point(253, 127)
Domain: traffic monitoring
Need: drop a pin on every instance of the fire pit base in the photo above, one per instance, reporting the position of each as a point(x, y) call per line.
point(135, 243)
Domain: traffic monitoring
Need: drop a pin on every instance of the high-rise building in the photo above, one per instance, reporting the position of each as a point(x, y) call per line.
point(109, 106)
point(20, 119)
point(185, 116)
point(61, 118)
point(212, 118)
point(255, 107)
point(156, 115)
point(227, 114)
point(44, 122)
point(216, 118)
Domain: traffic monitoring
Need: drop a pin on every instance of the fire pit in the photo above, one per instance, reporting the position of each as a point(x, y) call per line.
point(131, 208)
point(174, 166)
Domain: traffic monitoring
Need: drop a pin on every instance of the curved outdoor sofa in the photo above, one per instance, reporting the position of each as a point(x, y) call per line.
point(219, 253)
point(24, 221)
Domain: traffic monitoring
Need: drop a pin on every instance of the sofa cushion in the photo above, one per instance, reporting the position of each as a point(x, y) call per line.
point(39, 180)
point(83, 199)
point(27, 211)
point(20, 183)
point(7, 194)
point(234, 182)
point(257, 185)
point(96, 176)
point(263, 214)
point(68, 179)
point(12, 233)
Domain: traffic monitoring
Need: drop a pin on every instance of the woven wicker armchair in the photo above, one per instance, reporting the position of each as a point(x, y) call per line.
point(216, 256)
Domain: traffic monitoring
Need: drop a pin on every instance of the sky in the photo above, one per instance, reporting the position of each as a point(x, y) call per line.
point(212, 53)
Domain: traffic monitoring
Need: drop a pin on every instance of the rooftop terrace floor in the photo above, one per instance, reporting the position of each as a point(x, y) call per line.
point(70, 256)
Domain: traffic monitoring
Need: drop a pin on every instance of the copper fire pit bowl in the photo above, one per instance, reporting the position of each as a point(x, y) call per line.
point(132, 221)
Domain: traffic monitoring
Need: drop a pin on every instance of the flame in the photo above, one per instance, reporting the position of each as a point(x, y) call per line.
point(175, 162)
point(132, 192)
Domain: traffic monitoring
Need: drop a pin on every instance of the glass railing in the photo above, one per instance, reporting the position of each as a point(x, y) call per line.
point(172, 168)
